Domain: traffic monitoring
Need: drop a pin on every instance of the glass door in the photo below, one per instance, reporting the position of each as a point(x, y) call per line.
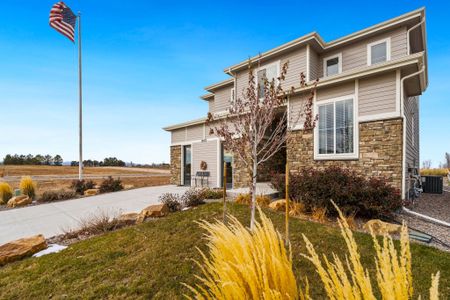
point(227, 158)
point(187, 165)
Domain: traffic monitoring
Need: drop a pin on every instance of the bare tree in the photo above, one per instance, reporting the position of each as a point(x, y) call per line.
point(426, 164)
point(257, 124)
point(447, 159)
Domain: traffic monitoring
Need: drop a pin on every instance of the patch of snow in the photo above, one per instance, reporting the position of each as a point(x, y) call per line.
point(52, 248)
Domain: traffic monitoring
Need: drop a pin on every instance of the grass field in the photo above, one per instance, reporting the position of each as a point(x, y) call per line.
point(151, 260)
point(60, 177)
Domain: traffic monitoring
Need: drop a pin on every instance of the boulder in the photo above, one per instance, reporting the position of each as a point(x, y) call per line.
point(21, 248)
point(155, 211)
point(91, 192)
point(128, 186)
point(21, 200)
point(381, 228)
point(129, 218)
point(278, 205)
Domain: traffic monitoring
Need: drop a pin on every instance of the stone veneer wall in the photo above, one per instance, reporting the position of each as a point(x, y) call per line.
point(175, 165)
point(241, 175)
point(380, 151)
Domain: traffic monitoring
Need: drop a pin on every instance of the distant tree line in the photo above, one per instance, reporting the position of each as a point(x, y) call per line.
point(107, 162)
point(30, 159)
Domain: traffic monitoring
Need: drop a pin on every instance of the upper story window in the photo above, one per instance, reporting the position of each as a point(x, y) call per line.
point(332, 65)
point(379, 51)
point(336, 133)
point(268, 72)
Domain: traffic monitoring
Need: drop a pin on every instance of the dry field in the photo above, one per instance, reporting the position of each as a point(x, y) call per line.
point(60, 177)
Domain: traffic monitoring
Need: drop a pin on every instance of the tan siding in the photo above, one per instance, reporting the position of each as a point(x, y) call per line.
point(340, 90)
point(195, 132)
point(211, 107)
point(377, 95)
point(222, 99)
point(179, 135)
point(313, 65)
point(411, 107)
point(355, 55)
point(206, 151)
point(297, 65)
point(296, 110)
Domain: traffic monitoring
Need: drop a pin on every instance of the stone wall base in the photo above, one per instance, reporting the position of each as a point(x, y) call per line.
point(175, 165)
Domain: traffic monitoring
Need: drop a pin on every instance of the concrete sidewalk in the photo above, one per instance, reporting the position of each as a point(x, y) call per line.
point(53, 218)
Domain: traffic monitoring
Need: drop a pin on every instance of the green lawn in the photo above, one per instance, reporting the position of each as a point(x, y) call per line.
point(152, 259)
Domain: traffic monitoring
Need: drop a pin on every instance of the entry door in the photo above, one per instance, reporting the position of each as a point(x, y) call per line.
point(227, 157)
point(187, 165)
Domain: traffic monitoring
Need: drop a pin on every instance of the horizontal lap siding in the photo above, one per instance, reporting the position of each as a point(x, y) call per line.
point(377, 95)
point(355, 55)
point(179, 135)
point(222, 99)
point(296, 66)
point(343, 89)
point(206, 151)
point(313, 65)
point(195, 133)
point(211, 107)
point(296, 110)
point(411, 107)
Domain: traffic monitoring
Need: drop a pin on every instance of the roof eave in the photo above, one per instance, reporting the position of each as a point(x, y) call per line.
point(185, 124)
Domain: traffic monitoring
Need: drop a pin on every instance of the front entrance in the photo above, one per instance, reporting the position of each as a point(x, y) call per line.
point(227, 158)
point(187, 165)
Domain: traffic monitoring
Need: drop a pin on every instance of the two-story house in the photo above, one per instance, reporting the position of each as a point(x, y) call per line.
point(367, 102)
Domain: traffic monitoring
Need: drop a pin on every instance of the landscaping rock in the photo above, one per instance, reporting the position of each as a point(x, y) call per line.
point(128, 186)
point(155, 211)
point(129, 218)
point(381, 228)
point(21, 200)
point(278, 205)
point(91, 192)
point(21, 248)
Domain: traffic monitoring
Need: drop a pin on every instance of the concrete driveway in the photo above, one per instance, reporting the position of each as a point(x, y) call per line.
point(53, 218)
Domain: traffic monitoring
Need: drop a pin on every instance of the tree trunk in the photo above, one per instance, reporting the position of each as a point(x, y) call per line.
point(253, 191)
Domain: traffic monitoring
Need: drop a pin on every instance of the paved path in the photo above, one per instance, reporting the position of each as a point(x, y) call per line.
point(52, 218)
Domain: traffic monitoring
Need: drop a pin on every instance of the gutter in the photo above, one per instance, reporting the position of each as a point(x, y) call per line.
point(402, 113)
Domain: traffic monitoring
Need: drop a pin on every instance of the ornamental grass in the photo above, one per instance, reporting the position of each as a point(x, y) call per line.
point(5, 192)
point(28, 187)
point(244, 264)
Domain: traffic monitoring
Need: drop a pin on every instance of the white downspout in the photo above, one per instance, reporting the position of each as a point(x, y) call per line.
point(402, 113)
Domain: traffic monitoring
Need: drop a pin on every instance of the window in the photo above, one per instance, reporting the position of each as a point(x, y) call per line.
point(332, 65)
point(232, 95)
point(268, 73)
point(378, 52)
point(336, 137)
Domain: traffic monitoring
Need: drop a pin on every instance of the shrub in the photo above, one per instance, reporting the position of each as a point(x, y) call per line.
point(193, 197)
point(209, 193)
point(95, 224)
point(319, 214)
point(50, 196)
point(434, 172)
point(278, 182)
point(5, 192)
point(246, 199)
point(111, 185)
point(173, 201)
point(82, 185)
point(28, 187)
point(353, 193)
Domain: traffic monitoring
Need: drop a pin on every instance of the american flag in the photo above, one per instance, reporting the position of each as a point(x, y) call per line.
point(63, 20)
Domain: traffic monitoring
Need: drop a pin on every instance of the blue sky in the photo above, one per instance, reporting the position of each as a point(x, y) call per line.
point(146, 63)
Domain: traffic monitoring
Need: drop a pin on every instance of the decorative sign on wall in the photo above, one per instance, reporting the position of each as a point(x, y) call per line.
point(203, 165)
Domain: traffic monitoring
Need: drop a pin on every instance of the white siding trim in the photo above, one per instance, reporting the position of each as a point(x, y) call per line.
point(339, 56)
point(218, 164)
point(388, 50)
point(345, 156)
point(182, 166)
point(193, 141)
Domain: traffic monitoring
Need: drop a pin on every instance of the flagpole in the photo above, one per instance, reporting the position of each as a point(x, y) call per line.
point(80, 93)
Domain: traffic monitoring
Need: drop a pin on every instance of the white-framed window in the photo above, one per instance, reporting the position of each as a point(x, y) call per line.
point(332, 65)
point(379, 51)
point(267, 72)
point(232, 95)
point(336, 133)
